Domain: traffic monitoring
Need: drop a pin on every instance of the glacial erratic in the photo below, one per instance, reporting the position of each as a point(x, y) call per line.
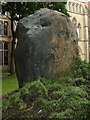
point(47, 44)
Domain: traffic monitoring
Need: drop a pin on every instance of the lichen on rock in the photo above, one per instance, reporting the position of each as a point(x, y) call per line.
point(47, 44)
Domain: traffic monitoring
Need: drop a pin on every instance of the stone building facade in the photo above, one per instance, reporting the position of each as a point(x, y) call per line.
point(89, 35)
point(80, 15)
point(5, 41)
point(88, 6)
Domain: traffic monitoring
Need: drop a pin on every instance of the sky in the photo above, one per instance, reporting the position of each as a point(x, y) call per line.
point(82, 0)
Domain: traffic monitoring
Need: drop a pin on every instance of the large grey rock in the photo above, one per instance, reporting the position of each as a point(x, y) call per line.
point(47, 44)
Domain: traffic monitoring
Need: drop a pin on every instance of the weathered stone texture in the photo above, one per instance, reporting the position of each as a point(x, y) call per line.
point(47, 44)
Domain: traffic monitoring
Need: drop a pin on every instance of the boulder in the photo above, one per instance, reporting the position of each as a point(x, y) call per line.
point(47, 44)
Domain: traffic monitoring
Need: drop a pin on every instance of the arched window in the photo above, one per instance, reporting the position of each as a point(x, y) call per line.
point(76, 8)
point(74, 21)
point(79, 31)
point(80, 9)
point(73, 9)
point(83, 11)
point(69, 7)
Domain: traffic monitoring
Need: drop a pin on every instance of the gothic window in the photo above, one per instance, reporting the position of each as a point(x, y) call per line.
point(80, 9)
point(76, 8)
point(3, 53)
point(1, 27)
point(5, 28)
point(83, 11)
point(73, 7)
point(74, 21)
point(69, 6)
point(79, 31)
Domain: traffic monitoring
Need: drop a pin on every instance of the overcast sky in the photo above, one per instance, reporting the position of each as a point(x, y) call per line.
point(84, 0)
point(81, 0)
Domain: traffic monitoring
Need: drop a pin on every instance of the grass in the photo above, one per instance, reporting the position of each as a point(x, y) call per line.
point(9, 84)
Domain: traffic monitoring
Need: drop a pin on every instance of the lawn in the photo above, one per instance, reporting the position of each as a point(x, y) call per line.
point(9, 84)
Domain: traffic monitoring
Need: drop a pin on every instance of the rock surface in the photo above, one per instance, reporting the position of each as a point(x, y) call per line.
point(47, 44)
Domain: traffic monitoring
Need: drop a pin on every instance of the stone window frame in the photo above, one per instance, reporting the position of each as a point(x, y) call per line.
point(3, 51)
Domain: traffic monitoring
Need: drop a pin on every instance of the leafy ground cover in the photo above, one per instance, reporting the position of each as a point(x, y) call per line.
point(9, 84)
point(66, 97)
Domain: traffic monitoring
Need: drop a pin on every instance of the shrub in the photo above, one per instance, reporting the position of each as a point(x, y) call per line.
point(80, 69)
point(66, 97)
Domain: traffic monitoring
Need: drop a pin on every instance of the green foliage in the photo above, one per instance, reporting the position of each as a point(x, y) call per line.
point(80, 69)
point(66, 97)
point(55, 100)
point(23, 9)
point(13, 103)
point(63, 114)
point(88, 70)
point(33, 90)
